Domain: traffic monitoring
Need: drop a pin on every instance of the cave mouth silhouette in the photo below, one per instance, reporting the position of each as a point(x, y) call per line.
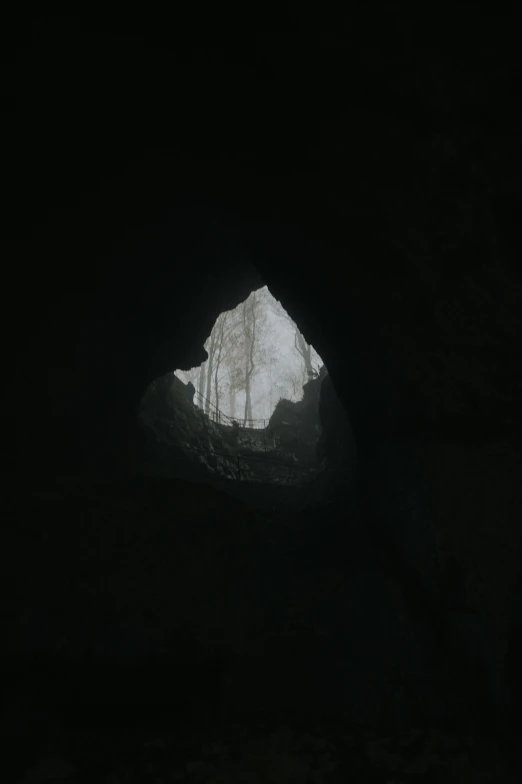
point(256, 355)
point(249, 414)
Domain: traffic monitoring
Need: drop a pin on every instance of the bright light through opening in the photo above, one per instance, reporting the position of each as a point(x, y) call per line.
point(257, 355)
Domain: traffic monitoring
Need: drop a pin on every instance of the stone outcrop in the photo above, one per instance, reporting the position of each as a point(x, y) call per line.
point(296, 426)
point(181, 437)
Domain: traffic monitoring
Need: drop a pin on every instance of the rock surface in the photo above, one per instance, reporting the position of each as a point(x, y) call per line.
point(371, 182)
point(182, 437)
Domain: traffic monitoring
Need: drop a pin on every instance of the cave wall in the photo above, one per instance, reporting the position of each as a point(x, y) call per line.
point(377, 204)
point(449, 513)
point(408, 206)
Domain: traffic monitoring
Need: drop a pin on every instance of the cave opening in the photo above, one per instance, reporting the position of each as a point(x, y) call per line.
point(257, 355)
point(250, 412)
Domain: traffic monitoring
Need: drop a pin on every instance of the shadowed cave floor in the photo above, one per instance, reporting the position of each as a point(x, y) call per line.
point(161, 631)
point(268, 752)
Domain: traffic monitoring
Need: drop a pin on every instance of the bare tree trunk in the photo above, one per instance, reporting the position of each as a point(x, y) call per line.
point(201, 382)
point(220, 339)
point(248, 405)
point(232, 401)
point(209, 370)
point(250, 339)
point(216, 387)
point(247, 353)
point(306, 353)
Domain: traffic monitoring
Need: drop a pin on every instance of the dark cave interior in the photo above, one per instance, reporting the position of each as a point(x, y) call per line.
point(364, 624)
